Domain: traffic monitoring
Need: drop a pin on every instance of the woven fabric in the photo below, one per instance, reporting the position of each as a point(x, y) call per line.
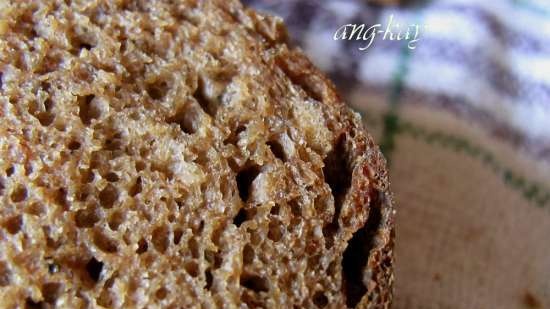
point(464, 120)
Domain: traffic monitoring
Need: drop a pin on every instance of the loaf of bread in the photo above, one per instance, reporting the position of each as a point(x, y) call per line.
point(179, 154)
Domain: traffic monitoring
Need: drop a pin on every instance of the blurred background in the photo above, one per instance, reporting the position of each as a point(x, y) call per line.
point(463, 117)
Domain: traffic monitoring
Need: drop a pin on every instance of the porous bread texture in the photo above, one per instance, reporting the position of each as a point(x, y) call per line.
point(179, 154)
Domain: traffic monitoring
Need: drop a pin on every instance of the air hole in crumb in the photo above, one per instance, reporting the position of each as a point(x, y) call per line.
point(84, 45)
point(295, 208)
point(46, 86)
point(1, 187)
point(192, 268)
point(193, 246)
point(108, 196)
point(160, 239)
point(9, 171)
point(178, 233)
point(86, 176)
point(94, 268)
point(142, 246)
point(356, 255)
point(240, 217)
point(136, 188)
point(19, 194)
point(218, 261)
point(73, 145)
point(45, 118)
point(51, 291)
point(332, 268)
point(111, 177)
point(161, 293)
point(216, 234)
point(86, 218)
point(245, 179)
point(13, 225)
point(104, 243)
point(213, 258)
point(277, 149)
point(28, 168)
point(80, 42)
point(53, 268)
point(140, 166)
point(5, 274)
point(233, 137)
point(248, 254)
point(87, 109)
point(329, 231)
point(186, 119)
point(275, 210)
point(60, 126)
point(113, 142)
point(338, 173)
point(115, 220)
point(30, 304)
point(209, 107)
point(61, 198)
point(157, 90)
point(48, 104)
point(208, 278)
point(254, 283)
point(275, 230)
point(197, 226)
point(320, 300)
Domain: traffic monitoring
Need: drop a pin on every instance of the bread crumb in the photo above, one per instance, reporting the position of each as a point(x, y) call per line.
point(4, 26)
point(162, 154)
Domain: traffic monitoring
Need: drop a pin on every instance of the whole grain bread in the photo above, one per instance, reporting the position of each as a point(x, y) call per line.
point(180, 154)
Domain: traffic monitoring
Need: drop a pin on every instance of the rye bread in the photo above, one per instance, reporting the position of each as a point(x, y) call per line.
point(180, 154)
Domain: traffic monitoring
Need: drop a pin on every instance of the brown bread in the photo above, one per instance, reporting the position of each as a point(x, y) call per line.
point(180, 154)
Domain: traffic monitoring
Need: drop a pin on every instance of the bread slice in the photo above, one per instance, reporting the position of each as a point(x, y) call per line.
point(180, 154)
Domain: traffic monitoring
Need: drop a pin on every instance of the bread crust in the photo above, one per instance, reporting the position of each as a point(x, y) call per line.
point(370, 187)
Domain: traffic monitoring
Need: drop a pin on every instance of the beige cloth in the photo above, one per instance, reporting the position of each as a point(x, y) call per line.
point(467, 235)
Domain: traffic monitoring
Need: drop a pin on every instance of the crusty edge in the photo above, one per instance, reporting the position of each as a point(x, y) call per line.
point(370, 169)
point(370, 164)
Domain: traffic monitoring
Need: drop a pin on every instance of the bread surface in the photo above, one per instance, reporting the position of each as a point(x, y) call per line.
point(179, 154)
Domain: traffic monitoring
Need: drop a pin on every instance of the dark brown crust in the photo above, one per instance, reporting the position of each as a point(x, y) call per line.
point(370, 177)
